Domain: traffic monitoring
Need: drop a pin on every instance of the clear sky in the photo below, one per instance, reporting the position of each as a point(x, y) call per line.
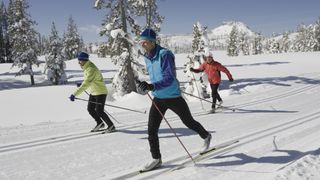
point(265, 16)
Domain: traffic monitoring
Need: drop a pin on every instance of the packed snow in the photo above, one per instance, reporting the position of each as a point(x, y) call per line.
point(43, 135)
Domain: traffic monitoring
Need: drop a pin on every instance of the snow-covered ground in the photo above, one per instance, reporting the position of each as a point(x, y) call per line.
point(276, 120)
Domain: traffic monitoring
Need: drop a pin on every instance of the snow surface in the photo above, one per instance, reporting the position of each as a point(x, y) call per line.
point(276, 120)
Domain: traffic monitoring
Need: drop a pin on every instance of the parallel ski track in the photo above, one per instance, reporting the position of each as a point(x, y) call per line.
point(83, 135)
point(178, 163)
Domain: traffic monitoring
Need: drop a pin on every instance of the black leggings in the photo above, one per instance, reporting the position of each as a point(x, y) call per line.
point(214, 94)
point(180, 107)
point(96, 109)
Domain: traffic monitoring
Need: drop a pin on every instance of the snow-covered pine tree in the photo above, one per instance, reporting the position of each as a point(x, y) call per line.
point(244, 44)
point(149, 9)
point(4, 26)
point(55, 64)
point(305, 40)
point(232, 46)
point(257, 45)
point(118, 27)
point(43, 45)
point(285, 43)
point(72, 42)
point(317, 35)
point(23, 38)
point(274, 45)
point(200, 44)
point(2, 39)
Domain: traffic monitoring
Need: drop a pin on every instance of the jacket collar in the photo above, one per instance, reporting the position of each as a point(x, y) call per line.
point(153, 53)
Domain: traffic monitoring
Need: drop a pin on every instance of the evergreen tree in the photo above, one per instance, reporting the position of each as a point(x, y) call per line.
point(285, 43)
point(200, 44)
point(232, 47)
point(55, 64)
point(149, 9)
point(257, 45)
point(6, 47)
point(23, 38)
point(305, 40)
point(317, 35)
point(118, 24)
point(244, 44)
point(274, 45)
point(2, 40)
point(72, 42)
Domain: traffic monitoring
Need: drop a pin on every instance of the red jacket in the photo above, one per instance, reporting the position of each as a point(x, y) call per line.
point(213, 71)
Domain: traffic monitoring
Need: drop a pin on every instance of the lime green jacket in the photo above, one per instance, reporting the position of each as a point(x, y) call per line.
point(93, 79)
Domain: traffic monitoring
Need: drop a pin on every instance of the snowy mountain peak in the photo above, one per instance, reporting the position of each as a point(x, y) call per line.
point(224, 30)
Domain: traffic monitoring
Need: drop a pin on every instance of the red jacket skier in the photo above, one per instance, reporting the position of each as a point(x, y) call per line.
point(213, 68)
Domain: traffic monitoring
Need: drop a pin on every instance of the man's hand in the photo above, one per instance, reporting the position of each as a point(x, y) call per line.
point(144, 86)
point(72, 97)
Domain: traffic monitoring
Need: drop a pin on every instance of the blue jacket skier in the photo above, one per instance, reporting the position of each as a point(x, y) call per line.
point(165, 88)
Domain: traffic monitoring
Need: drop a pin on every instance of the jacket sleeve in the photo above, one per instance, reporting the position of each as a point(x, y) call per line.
point(225, 70)
point(200, 69)
point(89, 77)
point(168, 72)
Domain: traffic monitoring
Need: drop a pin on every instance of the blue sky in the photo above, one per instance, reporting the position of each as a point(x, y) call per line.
point(265, 16)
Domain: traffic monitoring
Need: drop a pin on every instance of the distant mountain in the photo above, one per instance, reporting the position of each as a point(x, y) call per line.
point(223, 31)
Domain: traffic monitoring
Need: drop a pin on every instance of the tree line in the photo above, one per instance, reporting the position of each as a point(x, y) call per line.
point(305, 39)
point(21, 44)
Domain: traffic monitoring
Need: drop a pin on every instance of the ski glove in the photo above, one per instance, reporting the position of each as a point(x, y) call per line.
point(146, 86)
point(231, 79)
point(72, 97)
point(79, 84)
point(195, 70)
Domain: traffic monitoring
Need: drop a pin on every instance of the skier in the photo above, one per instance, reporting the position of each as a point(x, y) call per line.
point(212, 68)
point(93, 79)
point(167, 95)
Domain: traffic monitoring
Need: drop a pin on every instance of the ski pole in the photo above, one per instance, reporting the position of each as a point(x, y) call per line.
point(142, 112)
point(107, 112)
point(233, 109)
point(197, 90)
point(171, 128)
point(196, 97)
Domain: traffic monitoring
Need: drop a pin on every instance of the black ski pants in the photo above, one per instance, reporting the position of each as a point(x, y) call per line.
point(214, 94)
point(96, 109)
point(178, 106)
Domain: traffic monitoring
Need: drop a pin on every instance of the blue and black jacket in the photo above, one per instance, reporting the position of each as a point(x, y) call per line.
point(162, 71)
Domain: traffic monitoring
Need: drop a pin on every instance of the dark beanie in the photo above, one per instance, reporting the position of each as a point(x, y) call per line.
point(83, 56)
point(148, 34)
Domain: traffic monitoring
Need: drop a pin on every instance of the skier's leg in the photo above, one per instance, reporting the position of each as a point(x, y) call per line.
point(91, 109)
point(218, 95)
point(214, 94)
point(180, 107)
point(153, 128)
point(101, 100)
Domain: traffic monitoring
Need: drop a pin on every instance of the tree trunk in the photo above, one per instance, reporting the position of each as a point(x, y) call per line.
point(31, 76)
point(129, 75)
point(32, 80)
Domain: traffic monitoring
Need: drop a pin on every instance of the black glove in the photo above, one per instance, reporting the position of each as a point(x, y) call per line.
point(79, 84)
point(146, 86)
point(72, 97)
point(231, 79)
point(191, 69)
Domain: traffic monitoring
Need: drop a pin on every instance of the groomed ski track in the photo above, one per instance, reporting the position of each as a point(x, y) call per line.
point(254, 108)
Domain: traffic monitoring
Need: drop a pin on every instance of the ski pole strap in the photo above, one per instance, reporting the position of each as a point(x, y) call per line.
point(196, 96)
point(143, 112)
